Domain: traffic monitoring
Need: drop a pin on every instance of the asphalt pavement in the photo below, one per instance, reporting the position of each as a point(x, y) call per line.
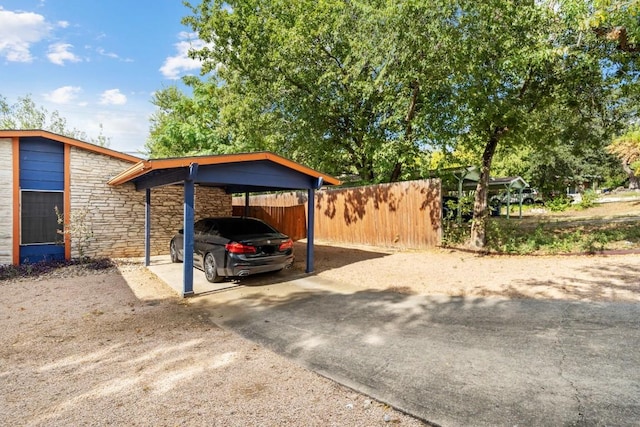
point(452, 361)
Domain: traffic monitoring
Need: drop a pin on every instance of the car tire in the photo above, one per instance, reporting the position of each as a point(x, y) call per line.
point(210, 269)
point(173, 251)
point(527, 202)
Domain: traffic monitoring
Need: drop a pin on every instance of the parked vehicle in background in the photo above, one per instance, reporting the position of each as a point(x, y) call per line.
point(529, 197)
point(235, 247)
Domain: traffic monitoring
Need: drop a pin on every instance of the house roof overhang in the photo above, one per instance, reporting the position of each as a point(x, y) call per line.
point(37, 133)
point(245, 172)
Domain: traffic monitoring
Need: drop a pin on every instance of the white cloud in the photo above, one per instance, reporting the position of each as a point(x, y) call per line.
point(18, 32)
point(60, 52)
point(113, 55)
point(127, 129)
point(113, 97)
point(63, 24)
point(103, 52)
point(63, 95)
point(127, 126)
point(174, 65)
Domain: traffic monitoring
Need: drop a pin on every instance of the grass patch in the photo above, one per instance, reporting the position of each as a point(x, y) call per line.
point(585, 228)
point(514, 237)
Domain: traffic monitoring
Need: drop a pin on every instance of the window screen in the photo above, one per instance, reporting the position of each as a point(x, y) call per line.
point(38, 217)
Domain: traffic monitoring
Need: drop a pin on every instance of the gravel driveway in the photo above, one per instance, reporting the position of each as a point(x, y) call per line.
point(119, 348)
point(83, 350)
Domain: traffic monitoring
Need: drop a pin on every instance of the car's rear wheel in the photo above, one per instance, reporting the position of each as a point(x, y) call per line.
point(210, 271)
point(527, 202)
point(173, 251)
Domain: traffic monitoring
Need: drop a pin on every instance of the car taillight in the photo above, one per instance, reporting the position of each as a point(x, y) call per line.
point(287, 244)
point(239, 248)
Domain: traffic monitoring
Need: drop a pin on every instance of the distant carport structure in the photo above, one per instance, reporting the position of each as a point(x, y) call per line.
point(510, 184)
point(466, 178)
point(235, 173)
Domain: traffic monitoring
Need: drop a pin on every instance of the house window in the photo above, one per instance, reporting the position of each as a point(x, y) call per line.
point(38, 217)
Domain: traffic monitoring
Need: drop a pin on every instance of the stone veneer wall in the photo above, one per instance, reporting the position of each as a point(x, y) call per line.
point(167, 211)
point(6, 201)
point(117, 213)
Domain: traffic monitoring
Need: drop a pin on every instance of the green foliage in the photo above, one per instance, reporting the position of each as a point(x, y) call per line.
point(588, 199)
point(79, 229)
point(187, 125)
point(454, 234)
point(508, 236)
point(372, 88)
point(465, 204)
point(346, 87)
point(25, 114)
point(626, 147)
point(558, 204)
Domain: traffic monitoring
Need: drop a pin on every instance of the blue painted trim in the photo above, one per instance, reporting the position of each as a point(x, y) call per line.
point(161, 177)
point(310, 232)
point(41, 164)
point(256, 174)
point(189, 215)
point(30, 254)
point(147, 228)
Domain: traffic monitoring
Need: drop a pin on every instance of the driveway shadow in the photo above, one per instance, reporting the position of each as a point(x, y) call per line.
point(455, 360)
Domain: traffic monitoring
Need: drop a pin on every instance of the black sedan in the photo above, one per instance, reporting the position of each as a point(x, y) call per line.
point(235, 247)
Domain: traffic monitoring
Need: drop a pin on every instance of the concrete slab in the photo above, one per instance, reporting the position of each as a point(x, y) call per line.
point(448, 360)
point(172, 274)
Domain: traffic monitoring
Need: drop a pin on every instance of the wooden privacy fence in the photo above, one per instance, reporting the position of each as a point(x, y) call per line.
point(291, 220)
point(404, 214)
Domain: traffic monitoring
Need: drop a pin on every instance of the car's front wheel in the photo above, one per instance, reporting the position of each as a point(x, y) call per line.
point(210, 271)
point(173, 251)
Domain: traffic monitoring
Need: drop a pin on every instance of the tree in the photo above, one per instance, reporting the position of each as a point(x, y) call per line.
point(341, 86)
point(370, 87)
point(186, 125)
point(617, 21)
point(25, 114)
point(627, 148)
point(520, 74)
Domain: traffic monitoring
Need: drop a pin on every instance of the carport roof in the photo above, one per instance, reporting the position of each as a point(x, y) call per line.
point(260, 171)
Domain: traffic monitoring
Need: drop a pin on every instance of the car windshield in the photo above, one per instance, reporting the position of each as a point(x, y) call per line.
point(234, 226)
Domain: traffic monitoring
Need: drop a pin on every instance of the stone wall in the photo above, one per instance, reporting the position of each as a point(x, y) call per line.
point(167, 211)
point(6, 201)
point(116, 214)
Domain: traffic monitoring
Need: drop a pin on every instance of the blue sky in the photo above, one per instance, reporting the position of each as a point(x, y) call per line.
point(95, 62)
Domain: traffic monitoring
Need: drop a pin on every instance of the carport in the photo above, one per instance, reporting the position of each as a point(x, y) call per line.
point(467, 178)
point(235, 173)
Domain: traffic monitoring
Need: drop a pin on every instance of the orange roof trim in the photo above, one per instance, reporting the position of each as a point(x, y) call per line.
point(23, 133)
point(145, 166)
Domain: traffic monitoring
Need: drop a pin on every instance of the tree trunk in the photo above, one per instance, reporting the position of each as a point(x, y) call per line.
point(480, 211)
point(634, 181)
point(408, 132)
point(395, 174)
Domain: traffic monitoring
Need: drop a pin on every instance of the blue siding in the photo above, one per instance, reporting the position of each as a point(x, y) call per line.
point(34, 253)
point(41, 168)
point(41, 164)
